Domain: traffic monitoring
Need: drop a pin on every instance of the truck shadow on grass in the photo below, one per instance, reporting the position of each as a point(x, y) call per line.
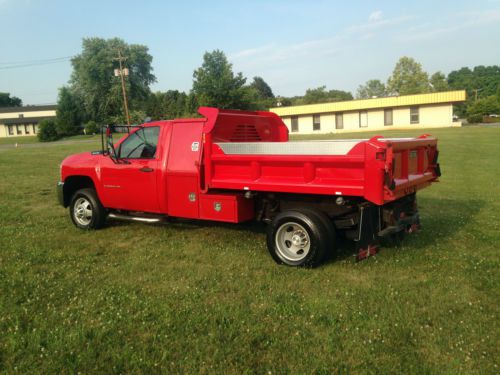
point(441, 219)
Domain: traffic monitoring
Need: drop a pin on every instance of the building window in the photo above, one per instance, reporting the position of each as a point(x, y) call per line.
point(339, 121)
point(414, 115)
point(18, 129)
point(295, 124)
point(11, 130)
point(316, 122)
point(363, 119)
point(388, 116)
point(26, 129)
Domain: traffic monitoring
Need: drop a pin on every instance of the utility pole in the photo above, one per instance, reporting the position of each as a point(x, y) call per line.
point(122, 73)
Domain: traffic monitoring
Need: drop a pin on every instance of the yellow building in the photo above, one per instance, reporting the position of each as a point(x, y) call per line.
point(395, 112)
point(23, 121)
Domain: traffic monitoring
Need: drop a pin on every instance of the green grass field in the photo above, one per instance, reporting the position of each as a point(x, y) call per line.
point(19, 140)
point(193, 297)
point(34, 139)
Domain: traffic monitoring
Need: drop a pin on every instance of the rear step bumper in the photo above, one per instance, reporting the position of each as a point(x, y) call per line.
point(405, 224)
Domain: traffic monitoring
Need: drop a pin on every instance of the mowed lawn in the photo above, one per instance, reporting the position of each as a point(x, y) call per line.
point(194, 297)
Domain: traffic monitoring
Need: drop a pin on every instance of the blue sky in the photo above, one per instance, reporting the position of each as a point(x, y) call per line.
point(293, 45)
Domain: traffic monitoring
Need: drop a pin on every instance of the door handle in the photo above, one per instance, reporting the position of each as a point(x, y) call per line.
point(146, 169)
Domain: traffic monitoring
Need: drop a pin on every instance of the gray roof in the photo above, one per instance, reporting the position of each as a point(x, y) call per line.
point(28, 108)
point(24, 120)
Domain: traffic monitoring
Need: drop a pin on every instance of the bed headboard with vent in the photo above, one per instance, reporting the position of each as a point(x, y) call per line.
point(243, 126)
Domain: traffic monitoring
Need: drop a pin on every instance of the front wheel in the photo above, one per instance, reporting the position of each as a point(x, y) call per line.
point(86, 210)
point(298, 239)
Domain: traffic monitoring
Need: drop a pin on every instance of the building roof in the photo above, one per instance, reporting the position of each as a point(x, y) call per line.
point(362, 104)
point(28, 108)
point(24, 120)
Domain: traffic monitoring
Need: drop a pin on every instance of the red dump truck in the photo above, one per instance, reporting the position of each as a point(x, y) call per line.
point(236, 166)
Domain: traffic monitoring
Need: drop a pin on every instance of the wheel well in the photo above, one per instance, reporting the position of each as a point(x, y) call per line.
point(74, 183)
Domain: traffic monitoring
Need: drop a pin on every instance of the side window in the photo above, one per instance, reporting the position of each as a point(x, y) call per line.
point(316, 122)
point(414, 115)
point(339, 121)
point(388, 116)
point(141, 144)
point(295, 124)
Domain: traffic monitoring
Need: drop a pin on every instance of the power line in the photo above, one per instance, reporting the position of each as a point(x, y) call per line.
point(25, 64)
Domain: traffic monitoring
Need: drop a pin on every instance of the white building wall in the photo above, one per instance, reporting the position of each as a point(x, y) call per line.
point(430, 116)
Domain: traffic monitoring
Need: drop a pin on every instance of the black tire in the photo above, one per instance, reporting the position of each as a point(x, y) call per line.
point(331, 235)
point(86, 210)
point(298, 238)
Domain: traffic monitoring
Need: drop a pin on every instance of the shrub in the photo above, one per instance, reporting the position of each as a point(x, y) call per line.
point(482, 107)
point(91, 127)
point(47, 131)
point(475, 118)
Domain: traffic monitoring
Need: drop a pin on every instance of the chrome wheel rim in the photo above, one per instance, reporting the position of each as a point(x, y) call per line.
point(292, 242)
point(82, 211)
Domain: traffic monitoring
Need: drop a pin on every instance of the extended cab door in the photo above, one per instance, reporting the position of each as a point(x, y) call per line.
point(183, 170)
point(131, 184)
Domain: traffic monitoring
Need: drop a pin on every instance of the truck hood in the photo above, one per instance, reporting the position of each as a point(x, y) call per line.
point(85, 164)
point(83, 158)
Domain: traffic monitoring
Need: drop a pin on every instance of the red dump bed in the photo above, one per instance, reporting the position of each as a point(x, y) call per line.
point(251, 151)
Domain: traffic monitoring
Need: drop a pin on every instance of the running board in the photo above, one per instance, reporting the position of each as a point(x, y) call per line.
point(135, 218)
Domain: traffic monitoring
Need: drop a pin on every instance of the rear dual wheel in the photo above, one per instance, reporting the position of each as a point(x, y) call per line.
point(301, 238)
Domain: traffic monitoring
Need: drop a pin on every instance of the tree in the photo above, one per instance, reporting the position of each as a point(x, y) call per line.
point(191, 105)
point(482, 107)
point(486, 79)
point(482, 81)
point(215, 84)
point(438, 82)
point(9, 101)
point(408, 78)
point(166, 105)
point(47, 131)
point(372, 88)
point(69, 112)
point(322, 95)
point(261, 93)
point(263, 90)
point(93, 77)
point(91, 127)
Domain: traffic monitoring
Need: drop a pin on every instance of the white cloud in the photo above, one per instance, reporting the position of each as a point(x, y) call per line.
point(375, 16)
point(272, 59)
point(461, 21)
point(270, 56)
point(381, 23)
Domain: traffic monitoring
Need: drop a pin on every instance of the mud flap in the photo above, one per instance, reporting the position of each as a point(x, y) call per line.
point(367, 243)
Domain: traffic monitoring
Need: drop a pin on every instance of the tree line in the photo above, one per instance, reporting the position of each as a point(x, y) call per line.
point(93, 94)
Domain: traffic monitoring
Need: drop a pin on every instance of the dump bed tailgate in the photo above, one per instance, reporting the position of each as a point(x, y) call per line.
point(411, 164)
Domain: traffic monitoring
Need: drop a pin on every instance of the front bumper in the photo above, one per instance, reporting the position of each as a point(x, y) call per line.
point(60, 193)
